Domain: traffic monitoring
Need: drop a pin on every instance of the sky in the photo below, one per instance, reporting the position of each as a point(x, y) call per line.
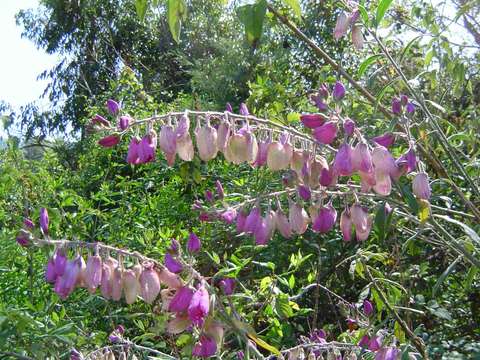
point(20, 61)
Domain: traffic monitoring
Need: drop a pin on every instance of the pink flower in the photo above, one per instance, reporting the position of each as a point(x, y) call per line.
point(367, 307)
point(326, 133)
point(199, 306)
point(342, 164)
point(44, 221)
point(147, 148)
point(312, 121)
point(109, 141)
point(227, 285)
point(181, 301)
point(325, 219)
point(346, 225)
point(113, 107)
point(173, 265)
point(205, 347)
point(193, 244)
point(133, 149)
point(386, 139)
point(421, 186)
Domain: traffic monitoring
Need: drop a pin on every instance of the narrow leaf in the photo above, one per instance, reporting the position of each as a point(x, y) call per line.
point(367, 63)
point(264, 345)
point(176, 11)
point(444, 275)
point(381, 10)
point(295, 5)
point(141, 8)
point(252, 17)
point(467, 229)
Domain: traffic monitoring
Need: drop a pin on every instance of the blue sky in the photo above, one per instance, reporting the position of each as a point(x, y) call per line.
point(20, 62)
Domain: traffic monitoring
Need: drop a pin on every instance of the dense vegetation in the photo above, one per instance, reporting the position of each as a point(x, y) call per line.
point(426, 269)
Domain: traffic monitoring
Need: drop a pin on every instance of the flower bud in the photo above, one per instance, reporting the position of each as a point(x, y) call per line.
point(262, 153)
point(341, 26)
point(338, 91)
point(205, 347)
point(346, 225)
point(50, 275)
point(227, 285)
point(199, 306)
point(148, 147)
point(304, 192)
point(252, 220)
point(44, 221)
point(24, 238)
point(367, 307)
point(349, 127)
point(223, 135)
point(181, 301)
point(396, 106)
point(219, 188)
point(117, 283)
point(279, 155)
point(109, 141)
point(93, 273)
point(410, 108)
point(297, 217)
point(183, 127)
point(357, 37)
point(421, 186)
point(326, 133)
point(100, 120)
point(149, 283)
point(244, 109)
point(342, 164)
point(228, 107)
point(124, 122)
point(172, 265)
point(206, 142)
point(28, 224)
point(312, 121)
point(325, 219)
point(168, 143)
point(133, 148)
point(385, 140)
point(282, 224)
point(113, 107)
point(131, 286)
point(327, 177)
point(193, 244)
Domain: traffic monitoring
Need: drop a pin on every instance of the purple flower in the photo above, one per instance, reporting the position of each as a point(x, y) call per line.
point(75, 355)
point(341, 26)
point(325, 219)
point(124, 122)
point(205, 347)
point(219, 187)
point(349, 126)
point(109, 141)
point(229, 215)
point(113, 107)
point(28, 223)
point(147, 148)
point(387, 353)
point(209, 196)
point(304, 192)
point(421, 186)
point(60, 260)
point(44, 221)
point(98, 119)
point(346, 225)
point(240, 355)
point(410, 158)
point(181, 300)
point(343, 160)
point(396, 106)
point(375, 343)
point(173, 265)
point(326, 133)
point(253, 219)
point(338, 91)
point(174, 246)
point(367, 307)
point(193, 244)
point(244, 110)
point(385, 140)
point(312, 121)
point(50, 275)
point(227, 285)
point(199, 306)
point(228, 107)
point(410, 108)
point(133, 150)
point(23, 238)
point(364, 341)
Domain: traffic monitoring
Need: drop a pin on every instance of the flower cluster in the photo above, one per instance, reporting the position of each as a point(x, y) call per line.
point(349, 21)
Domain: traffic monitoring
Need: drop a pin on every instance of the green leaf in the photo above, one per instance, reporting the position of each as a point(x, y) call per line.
point(366, 64)
point(176, 10)
point(252, 17)
point(467, 229)
point(295, 5)
point(381, 10)
point(282, 306)
point(381, 221)
point(407, 48)
point(429, 57)
point(409, 198)
point(444, 275)
point(141, 8)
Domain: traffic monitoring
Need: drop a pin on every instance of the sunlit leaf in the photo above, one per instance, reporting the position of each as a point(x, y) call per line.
point(295, 5)
point(141, 8)
point(382, 8)
point(252, 17)
point(176, 10)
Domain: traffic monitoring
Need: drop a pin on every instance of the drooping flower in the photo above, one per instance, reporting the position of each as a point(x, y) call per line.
point(410, 108)
point(168, 143)
point(244, 109)
point(93, 273)
point(60, 261)
point(304, 192)
point(279, 154)
point(170, 279)
point(364, 341)
point(252, 220)
point(124, 122)
point(227, 285)
point(282, 224)
point(349, 127)
point(327, 177)
point(173, 265)
point(220, 191)
point(117, 283)
point(383, 160)
point(367, 307)
point(388, 353)
point(346, 224)
point(223, 135)
point(205, 347)
point(375, 343)
point(357, 37)
point(50, 275)
point(206, 142)
point(237, 148)
point(262, 153)
point(148, 147)
point(342, 164)
point(44, 221)
point(338, 91)
point(109, 141)
point(326, 133)
point(133, 148)
point(396, 106)
point(341, 26)
point(312, 121)
point(362, 221)
point(241, 220)
point(298, 217)
point(184, 144)
point(229, 215)
point(149, 283)
point(28, 224)
point(325, 219)
point(113, 107)
point(131, 286)
point(264, 230)
point(385, 140)
point(108, 267)
point(100, 120)
point(181, 301)
point(199, 306)
point(193, 244)
point(421, 186)
point(362, 158)
point(410, 158)
point(228, 107)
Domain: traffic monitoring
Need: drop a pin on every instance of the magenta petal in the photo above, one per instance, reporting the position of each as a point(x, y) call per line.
point(386, 139)
point(312, 121)
point(199, 306)
point(173, 265)
point(181, 301)
point(326, 133)
point(343, 161)
point(205, 347)
point(325, 219)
